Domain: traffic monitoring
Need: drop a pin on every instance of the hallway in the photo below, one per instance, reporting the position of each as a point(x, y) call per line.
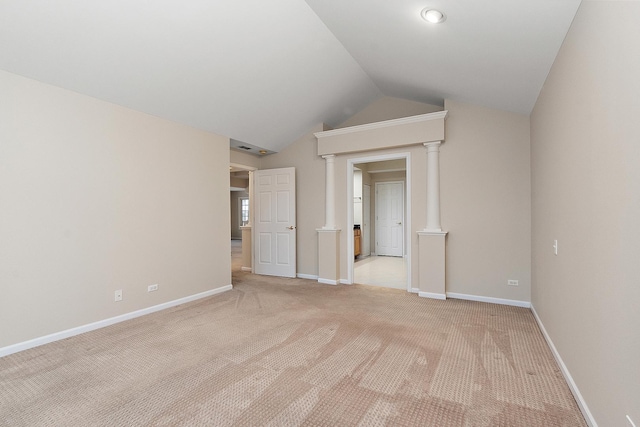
point(384, 271)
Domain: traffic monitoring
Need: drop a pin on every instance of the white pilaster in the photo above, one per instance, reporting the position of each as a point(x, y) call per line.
point(330, 199)
point(433, 186)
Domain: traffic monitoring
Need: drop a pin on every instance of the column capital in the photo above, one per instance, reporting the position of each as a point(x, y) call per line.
point(329, 157)
point(432, 145)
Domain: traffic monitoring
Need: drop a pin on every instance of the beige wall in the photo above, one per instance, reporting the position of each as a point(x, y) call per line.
point(486, 201)
point(94, 198)
point(387, 108)
point(245, 159)
point(485, 184)
point(303, 155)
point(238, 182)
point(586, 194)
point(310, 175)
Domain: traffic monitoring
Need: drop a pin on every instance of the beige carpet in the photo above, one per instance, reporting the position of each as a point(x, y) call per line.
point(289, 352)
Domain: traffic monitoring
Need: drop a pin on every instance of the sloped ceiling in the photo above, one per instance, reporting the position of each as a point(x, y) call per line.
point(264, 72)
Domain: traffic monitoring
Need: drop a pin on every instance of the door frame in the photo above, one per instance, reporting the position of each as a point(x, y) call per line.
point(366, 229)
point(404, 213)
point(407, 230)
point(250, 169)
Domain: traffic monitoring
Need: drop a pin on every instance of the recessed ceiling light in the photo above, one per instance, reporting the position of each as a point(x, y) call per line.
point(433, 16)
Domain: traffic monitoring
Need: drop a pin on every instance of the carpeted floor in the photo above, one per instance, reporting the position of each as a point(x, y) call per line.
point(289, 352)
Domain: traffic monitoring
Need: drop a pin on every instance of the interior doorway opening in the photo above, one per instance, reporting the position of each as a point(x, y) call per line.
point(240, 210)
point(379, 213)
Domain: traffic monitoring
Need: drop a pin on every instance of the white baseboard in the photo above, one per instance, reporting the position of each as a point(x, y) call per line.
point(345, 282)
point(249, 269)
point(432, 295)
point(565, 372)
point(56, 336)
point(415, 290)
point(306, 276)
point(327, 281)
point(513, 302)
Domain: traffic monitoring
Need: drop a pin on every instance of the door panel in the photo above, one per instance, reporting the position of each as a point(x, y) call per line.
point(390, 218)
point(275, 223)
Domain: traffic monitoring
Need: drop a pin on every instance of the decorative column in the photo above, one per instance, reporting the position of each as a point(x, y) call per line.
point(433, 186)
point(432, 240)
point(329, 236)
point(330, 191)
point(246, 232)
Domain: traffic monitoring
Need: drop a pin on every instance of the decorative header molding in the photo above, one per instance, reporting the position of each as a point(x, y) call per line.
point(386, 123)
point(382, 135)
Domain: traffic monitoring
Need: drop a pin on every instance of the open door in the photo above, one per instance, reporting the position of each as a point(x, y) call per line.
point(275, 222)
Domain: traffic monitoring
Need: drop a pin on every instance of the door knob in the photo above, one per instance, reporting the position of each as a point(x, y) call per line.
point(399, 223)
point(291, 227)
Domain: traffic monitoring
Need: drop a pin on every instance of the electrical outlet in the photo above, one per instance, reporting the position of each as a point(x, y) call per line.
point(118, 295)
point(152, 288)
point(512, 282)
point(631, 423)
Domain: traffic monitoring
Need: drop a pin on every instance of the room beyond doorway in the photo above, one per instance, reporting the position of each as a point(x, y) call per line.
point(384, 271)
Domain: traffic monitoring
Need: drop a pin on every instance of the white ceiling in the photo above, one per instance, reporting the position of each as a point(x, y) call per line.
point(265, 72)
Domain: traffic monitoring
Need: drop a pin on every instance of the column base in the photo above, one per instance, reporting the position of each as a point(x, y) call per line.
point(431, 252)
point(328, 256)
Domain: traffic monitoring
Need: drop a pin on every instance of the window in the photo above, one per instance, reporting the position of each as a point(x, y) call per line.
point(244, 210)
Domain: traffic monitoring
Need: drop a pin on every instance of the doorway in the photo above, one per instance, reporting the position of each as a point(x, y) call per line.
point(240, 215)
point(384, 258)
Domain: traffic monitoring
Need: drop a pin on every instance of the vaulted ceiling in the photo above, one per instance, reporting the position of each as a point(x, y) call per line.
point(265, 72)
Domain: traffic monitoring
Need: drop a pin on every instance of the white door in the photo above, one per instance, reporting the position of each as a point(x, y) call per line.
point(366, 220)
point(275, 222)
point(390, 218)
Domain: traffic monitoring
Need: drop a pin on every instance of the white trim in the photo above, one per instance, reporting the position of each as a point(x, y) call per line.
point(345, 282)
point(327, 230)
point(327, 281)
point(582, 404)
point(249, 269)
point(307, 276)
point(415, 290)
point(242, 167)
point(432, 295)
point(56, 336)
point(386, 170)
point(432, 233)
point(492, 300)
point(384, 124)
point(407, 230)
